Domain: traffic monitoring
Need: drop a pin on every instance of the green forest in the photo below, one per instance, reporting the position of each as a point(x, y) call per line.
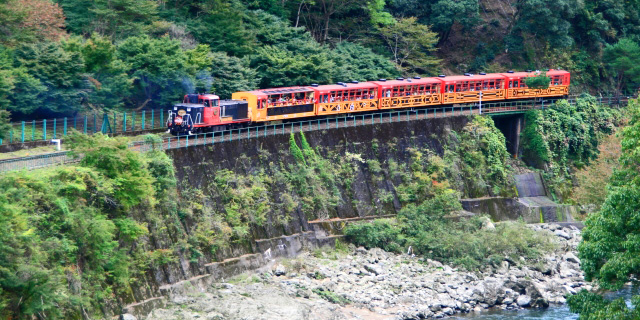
point(69, 56)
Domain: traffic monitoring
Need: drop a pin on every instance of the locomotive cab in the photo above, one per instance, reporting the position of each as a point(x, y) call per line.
point(205, 112)
point(183, 117)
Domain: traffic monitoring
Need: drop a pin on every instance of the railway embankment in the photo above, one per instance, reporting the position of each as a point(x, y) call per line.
point(286, 201)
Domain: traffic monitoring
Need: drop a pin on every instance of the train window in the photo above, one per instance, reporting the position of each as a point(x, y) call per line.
point(260, 104)
point(557, 80)
point(335, 96)
point(522, 84)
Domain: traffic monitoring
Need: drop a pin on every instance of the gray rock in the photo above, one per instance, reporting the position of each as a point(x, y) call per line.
point(524, 301)
point(373, 269)
point(127, 316)
point(227, 286)
point(487, 224)
point(562, 234)
point(279, 270)
point(570, 257)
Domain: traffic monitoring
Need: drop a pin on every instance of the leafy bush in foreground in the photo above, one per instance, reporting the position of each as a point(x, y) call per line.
point(428, 230)
point(70, 237)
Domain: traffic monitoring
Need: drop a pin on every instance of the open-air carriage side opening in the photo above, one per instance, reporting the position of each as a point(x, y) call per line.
point(346, 98)
point(408, 93)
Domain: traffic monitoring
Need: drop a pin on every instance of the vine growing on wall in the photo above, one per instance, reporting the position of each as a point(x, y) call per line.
point(565, 136)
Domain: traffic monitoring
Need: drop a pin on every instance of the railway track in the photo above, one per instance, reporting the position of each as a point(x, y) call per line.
point(213, 138)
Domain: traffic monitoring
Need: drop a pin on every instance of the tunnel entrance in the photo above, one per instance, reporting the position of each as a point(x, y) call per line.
point(510, 125)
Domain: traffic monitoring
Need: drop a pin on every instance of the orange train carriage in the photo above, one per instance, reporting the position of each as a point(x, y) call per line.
point(206, 112)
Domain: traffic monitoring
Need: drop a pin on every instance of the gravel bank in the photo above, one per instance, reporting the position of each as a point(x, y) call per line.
point(373, 284)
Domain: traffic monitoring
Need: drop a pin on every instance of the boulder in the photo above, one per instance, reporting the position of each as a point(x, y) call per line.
point(127, 316)
point(524, 301)
point(562, 234)
point(529, 289)
point(487, 224)
point(279, 270)
point(373, 269)
point(570, 257)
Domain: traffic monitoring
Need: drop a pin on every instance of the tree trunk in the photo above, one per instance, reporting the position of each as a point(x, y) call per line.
point(326, 28)
point(298, 15)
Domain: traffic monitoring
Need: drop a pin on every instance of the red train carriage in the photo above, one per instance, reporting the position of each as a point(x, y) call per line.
point(346, 98)
point(467, 88)
point(517, 89)
point(409, 93)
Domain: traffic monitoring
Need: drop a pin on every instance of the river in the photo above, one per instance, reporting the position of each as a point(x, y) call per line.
point(554, 312)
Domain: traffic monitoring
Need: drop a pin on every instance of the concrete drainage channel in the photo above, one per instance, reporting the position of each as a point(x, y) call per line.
point(532, 206)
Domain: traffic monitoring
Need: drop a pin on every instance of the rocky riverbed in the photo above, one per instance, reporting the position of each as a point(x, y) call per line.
point(373, 284)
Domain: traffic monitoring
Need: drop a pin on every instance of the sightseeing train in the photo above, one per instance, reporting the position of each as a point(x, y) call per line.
point(206, 112)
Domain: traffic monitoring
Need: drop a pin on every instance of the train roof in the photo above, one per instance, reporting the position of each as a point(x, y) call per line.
point(271, 91)
point(346, 86)
point(472, 77)
point(189, 105)
point(406, 82)
point(517, 75)
point(209, 96)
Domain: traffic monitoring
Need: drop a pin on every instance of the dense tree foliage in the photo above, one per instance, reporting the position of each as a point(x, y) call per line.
point(623, 58)
point(540, 81)
point(67, 234)
point(262, 43)
point(410, 44)
point(610, 240)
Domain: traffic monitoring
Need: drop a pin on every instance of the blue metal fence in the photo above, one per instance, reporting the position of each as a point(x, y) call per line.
point(108, 123)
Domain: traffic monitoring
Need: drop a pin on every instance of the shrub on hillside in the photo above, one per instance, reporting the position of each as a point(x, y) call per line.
point(432, 233)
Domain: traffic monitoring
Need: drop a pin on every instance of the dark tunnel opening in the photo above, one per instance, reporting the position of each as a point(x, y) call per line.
point(510, 126)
